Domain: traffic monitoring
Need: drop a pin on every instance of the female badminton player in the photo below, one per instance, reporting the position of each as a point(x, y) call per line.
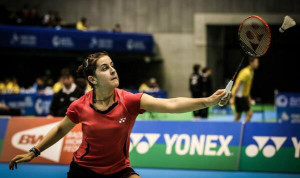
point(107, 115)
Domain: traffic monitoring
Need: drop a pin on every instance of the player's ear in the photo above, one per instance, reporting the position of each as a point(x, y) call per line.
point(92, 79)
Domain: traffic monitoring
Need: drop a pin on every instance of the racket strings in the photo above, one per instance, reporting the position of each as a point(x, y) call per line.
point(254, 36)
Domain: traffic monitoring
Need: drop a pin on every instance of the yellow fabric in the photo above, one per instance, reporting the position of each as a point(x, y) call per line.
point(88, 88)
point(57, 87)
point(2, 87)
point(144, 88)
point(245, 78)
point(12, 87)
point(80, 26)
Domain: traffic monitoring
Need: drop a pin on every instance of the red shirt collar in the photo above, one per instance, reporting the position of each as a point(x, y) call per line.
point(91, 95)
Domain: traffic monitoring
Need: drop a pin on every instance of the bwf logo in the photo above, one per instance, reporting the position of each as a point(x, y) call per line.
point(142, 146)
point(282, 101)
point(267, 150)
point(26, 139)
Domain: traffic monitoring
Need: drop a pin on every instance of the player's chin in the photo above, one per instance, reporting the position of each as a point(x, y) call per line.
point(115, 83)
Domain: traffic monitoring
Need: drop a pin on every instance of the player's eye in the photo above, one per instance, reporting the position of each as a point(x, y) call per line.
point(104, 67)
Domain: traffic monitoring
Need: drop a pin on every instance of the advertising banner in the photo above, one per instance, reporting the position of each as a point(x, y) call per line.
point(23, 133)
point(39, 104)
point(288, 107)
point(72, 39)
point(30, 104)
point(191, 145)
point(271, 147)
point(3, 126)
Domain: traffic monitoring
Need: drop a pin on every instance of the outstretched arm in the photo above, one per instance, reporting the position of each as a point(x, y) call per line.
point(54, 135)
point(180, 105)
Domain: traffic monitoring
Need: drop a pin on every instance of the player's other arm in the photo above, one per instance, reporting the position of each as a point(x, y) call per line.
point(54, 135)
point(180, 105)
point(234, 90)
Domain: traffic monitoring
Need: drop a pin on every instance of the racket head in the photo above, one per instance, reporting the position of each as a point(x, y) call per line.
point(254, 36)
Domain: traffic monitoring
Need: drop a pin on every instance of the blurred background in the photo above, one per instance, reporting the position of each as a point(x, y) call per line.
point(154, 45)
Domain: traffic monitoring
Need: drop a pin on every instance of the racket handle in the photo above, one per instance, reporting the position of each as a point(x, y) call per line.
point(227, 90)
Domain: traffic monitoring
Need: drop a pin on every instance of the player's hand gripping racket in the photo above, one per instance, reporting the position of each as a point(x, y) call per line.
point(255, 38)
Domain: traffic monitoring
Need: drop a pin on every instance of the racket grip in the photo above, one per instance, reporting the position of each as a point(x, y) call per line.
point(227, 90)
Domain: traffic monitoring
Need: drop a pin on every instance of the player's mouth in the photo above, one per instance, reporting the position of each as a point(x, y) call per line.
point(114, 78)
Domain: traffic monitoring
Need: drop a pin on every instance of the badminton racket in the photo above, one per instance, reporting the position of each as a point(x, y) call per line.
point(254, 36)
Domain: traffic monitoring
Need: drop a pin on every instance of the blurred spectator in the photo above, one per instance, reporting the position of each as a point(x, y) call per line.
point(2, 87)
point(57, 20)
point(59, 85)
point(47, 19)
point(5, 110)
point(117, 28)
point(39, 85)
point(13, 19)
point(206, 89)
point(48, 86)
point(153, 85)
point(81, 25)
point(10, 86)
point(144, 87)
point(34, 17)
point(83, 84)
point(24, 15)
point(149, 86)
point(195, 85)
point(61, 100)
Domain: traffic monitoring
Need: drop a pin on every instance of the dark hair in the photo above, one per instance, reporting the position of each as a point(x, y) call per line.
point(196, 68)
point(89, 65)
point(64, 71)
point(205, 69)
point(83, 19)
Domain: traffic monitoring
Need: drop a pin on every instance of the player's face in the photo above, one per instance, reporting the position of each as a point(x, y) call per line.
point(106, 75)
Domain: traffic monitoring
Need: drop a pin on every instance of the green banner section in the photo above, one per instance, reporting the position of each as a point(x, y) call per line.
point(1, 145)
point(158, 157)
point(284, 160)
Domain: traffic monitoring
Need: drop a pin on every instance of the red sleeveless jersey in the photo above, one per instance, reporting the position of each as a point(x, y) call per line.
point(106, 134)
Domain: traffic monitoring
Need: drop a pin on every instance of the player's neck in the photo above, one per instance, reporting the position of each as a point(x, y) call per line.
point(103, 97)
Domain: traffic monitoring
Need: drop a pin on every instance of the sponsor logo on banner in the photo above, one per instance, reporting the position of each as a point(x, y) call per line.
point(25, 103)
point(101, 43)
point(183, 144)
point(42, 106)
point(282, 101)
point(23, 133)
point(26, 40)
point(135, 45)
point(26, 139)
point(270, 150)
point(288, 107)
point(72, 141)
point(143, 147)
point(200, 144)
point(65, 42)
